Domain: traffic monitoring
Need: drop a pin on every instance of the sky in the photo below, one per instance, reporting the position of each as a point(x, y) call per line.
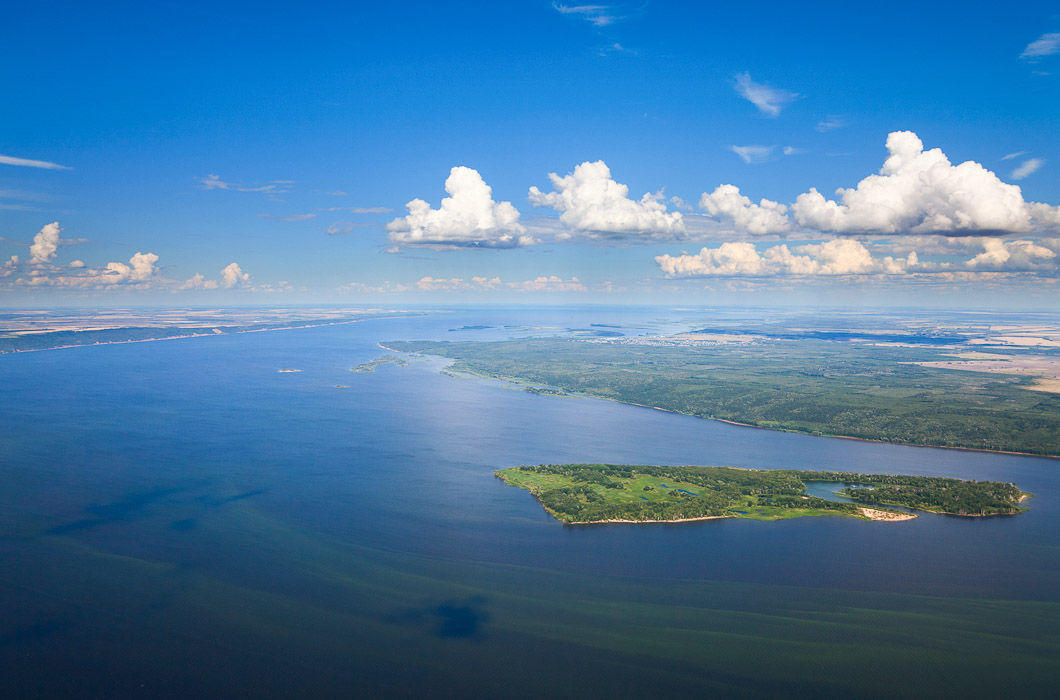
point(531, 152)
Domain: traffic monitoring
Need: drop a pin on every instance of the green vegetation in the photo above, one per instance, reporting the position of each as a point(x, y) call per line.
point(379, 361)
point(588, 493)
point(934, 494)
point(813, 386)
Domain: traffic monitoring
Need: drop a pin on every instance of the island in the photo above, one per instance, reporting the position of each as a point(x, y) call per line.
point(581, 494)
point(371, 365)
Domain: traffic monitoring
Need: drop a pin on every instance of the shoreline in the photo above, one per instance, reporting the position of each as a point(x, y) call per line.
point(186, 336)
point(569, 394)
point(637, 522)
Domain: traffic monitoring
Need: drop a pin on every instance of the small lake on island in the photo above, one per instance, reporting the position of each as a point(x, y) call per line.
point(828, 490)
point(182, 517)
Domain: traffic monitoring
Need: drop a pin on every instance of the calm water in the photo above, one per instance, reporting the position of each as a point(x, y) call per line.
point(179, 517)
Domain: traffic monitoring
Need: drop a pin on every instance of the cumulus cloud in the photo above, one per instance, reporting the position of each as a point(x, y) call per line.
point(197, 281)
point(1045, 45)
point(1002, 255)
point(840, 256)
point(141, 268)
point(752, 154)
point(29, 163)
point(920, 191)
point(232, 275)
point(763, 218)
point(768, 100)
point(140, 271)
point(468, 217)
point(991, 257)
point(9, 267)
point(45, 244)
point(597, 15)
point(591, 203)
point(1027, 167)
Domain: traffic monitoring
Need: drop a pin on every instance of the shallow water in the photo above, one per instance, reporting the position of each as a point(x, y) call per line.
point(180, 516)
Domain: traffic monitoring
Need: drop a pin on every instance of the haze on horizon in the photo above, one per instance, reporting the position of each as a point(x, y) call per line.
point(532, 153)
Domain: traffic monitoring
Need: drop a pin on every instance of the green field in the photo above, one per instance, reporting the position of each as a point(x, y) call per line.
point(589, 493)
point(859, 390)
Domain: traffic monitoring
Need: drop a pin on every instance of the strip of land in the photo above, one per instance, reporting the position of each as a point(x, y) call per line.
point(582, 494)
point(866, 391)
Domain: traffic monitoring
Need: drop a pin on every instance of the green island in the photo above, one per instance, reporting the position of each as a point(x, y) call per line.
point(859, 390)
point(371, 365)
point(580, 494)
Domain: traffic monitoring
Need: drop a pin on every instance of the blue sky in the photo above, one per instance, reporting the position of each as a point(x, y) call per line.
point(289, 140)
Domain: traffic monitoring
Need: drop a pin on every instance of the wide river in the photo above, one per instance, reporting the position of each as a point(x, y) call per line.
point(179, 518)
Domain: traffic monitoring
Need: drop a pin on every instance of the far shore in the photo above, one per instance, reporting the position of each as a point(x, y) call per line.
point(524, 384)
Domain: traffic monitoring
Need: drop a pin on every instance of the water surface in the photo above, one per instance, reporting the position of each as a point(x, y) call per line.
point(178, 516)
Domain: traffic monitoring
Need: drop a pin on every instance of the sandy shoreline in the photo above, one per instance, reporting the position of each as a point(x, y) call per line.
point(885, 516)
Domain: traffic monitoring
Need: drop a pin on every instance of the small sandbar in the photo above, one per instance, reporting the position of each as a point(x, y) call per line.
point(889, 516)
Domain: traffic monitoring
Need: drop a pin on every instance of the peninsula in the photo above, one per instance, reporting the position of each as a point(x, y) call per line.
point(580, 494)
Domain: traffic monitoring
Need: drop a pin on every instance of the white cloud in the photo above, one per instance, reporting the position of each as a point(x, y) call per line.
point(232, 275)
point(1045, 45)
point(920, 191)
point(831, 123)
point(45, 244)
point(597, 15)
point(341, 228)
point(468, 217)
point(141, 268)
point(551, 283)
point(768, 100)
point(77, 263)
point(214, 182)
point(590, 202)
point(752, 154)
point(141, 271)
point(762, 218)
point(544, 283)
point(360, 210)
point(28, 163)
point(839, 256)
point(1028, 166)
point(197, 281)
point(1017, 154)
point(1001, 255)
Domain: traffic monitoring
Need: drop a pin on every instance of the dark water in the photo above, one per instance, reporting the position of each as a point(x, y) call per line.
point(178, 517)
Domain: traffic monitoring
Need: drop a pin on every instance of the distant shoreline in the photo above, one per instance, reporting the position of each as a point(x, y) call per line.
point(523, 384)
point(191, 335)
